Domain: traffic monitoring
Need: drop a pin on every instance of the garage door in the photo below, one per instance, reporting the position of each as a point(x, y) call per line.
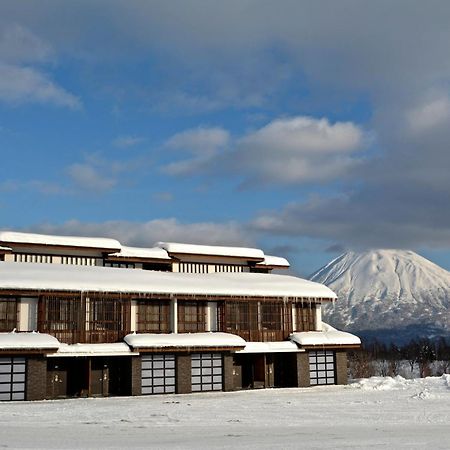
point(322, 367)
point(12, 378)
point(206, 372)
point(158, 374)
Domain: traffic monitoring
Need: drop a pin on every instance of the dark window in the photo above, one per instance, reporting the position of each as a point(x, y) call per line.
point(8, 314)
point(305, 317)
point(191, 317)
point(257, 321)
point(153, 316)
point(62, 317)
point(90, 318)
point(109, 319)
point(157, 266)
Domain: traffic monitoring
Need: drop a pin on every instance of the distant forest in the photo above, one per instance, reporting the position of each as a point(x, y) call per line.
point(418, 358)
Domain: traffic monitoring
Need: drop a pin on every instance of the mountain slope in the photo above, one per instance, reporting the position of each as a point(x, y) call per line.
point(391, 290)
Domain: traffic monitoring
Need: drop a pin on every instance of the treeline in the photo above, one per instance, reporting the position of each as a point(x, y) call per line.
point(422, 358)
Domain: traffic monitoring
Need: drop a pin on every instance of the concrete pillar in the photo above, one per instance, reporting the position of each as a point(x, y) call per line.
point(133, 316)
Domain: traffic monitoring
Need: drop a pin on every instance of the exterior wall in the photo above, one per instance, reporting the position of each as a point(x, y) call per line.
point(183, 373)
point(36, 381)
point(341, 367)
point(303, 369)
point(136, 375)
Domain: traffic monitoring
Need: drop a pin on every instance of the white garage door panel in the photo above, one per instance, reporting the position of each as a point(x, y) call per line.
point(158, 374)
point(322, 367)
point(12, 379)
point(206, 372)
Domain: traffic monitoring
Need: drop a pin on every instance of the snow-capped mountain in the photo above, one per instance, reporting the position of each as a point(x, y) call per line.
point(389, 294)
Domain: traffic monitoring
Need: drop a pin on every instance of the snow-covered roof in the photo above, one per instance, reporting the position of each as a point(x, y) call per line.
point(65, 241)
point(270, 347)
point(5, 249)
point(274, 261)
point(28, 341)
point(19, 276)
point(141, 253)
point(148, 340)
point(328, 336)
point(212, 250)
point(115, 349)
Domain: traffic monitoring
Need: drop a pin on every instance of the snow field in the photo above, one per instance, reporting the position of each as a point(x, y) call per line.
point(370, 413)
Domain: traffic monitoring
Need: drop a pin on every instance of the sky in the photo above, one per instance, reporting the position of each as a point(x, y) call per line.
point(302, 128)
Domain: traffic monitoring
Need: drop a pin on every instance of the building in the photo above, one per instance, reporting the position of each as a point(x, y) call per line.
point(91, 317)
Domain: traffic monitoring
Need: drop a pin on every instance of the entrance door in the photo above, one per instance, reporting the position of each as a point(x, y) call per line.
point(99, 378)
point(12, 378)
point(57, 379)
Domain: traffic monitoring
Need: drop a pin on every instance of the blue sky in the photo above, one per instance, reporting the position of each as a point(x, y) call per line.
point(302, 128)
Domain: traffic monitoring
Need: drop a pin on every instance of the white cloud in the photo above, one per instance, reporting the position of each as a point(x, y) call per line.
point(20, 81)
point(28, 85)
point(202, 143)
point(89, 178)
point(287, 151)
point(429, 114)
point(19, 45)
point(147, 233)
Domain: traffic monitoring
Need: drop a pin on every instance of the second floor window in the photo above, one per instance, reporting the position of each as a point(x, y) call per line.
point(191, 317)
point(8, 314)
point(153, 316)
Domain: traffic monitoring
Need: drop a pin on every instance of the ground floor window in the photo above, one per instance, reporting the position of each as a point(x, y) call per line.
point(12, 378)
point(322, 367)
point(158, 374)
point(206, 372)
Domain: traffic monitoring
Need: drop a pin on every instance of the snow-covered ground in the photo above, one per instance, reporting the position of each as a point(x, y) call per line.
point(371, 413)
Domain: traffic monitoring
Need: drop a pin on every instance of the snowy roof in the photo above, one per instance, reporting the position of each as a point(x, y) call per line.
point(270, 347)
point(115, 349)
point(147, 340)
point(276, 261)
point(65, 241)
point(5, 249)
point(328, 336)
point(28, 341)
point(20, 276)
point(141, 253)
point(212, 250)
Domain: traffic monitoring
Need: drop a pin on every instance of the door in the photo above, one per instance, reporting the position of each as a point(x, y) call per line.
point(158, 374)
point(12, 378)
point(322, 367)
point(57, 379)
point(207, 369)
point(99, 378)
